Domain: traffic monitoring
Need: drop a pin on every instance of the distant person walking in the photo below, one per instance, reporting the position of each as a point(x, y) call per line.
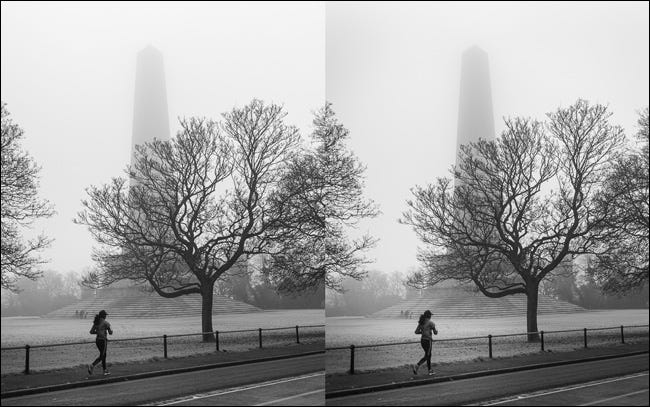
point(425, 327)
point(102, 329)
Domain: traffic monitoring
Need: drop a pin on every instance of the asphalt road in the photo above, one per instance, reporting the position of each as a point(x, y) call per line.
point(514, 387)
point(299, 391)
point(629, 390)
point(186, 385)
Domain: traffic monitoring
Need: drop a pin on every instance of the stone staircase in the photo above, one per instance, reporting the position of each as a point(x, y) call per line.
point(151, 305)
point(458, 302)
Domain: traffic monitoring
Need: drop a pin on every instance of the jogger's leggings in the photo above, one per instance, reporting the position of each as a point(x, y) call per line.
point(426, 345)
point(102, 344)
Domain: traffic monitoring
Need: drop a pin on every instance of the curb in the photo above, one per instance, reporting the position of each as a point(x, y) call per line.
point(146, 375)
point(470, 375)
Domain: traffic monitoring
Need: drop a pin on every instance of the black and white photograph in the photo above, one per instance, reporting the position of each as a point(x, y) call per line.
point(506, 147)
point(325, 203)
point(165, 173)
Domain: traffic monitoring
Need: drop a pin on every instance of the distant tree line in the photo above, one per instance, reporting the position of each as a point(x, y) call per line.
point(583, 289)
point(377, 291)
point(262, 293)
point(52, 291)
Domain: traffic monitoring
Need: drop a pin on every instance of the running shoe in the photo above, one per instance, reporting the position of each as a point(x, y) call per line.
point(415, 369)
point(106, 372)
point(431, 372)
point(90, 369)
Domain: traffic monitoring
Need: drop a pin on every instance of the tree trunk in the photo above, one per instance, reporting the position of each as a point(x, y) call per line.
point(531, 311)
point(206, 312)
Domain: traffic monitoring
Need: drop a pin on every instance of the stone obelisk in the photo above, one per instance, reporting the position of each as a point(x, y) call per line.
point(150, 121)
point(475, 116)
point(150, 112)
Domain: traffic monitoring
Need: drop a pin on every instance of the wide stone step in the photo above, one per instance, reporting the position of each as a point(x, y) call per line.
point(150, 305)
point(461, 303)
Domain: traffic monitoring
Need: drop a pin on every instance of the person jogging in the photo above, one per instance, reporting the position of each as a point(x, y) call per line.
point(425, 327)
point(102, 328)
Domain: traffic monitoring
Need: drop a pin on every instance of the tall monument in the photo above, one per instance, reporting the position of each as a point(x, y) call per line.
point(150, 112)
point(450, 298)
point(150, 121)
point(475, 116)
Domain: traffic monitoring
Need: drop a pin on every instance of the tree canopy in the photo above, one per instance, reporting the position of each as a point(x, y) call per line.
point(222, 193)
point(521, 205)
point(324, 189)
point(21, 205)
point(623, 263)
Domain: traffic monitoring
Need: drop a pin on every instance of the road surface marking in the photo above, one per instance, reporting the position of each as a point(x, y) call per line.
point(567, 389)
point(238, 389)
point(291, 397)
point(614, 398)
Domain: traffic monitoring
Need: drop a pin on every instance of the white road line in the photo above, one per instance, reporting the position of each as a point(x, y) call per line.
point(238, 389)
point(613, 398)
point(291, 397)
point(567, 389)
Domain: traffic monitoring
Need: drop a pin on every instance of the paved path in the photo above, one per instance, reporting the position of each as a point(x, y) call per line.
point(300, 390)
point(629, 390)
point(170, 387)
point(489, 388)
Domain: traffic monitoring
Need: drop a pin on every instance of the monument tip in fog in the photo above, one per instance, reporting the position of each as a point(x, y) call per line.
point(150, 112)
point(475, 116)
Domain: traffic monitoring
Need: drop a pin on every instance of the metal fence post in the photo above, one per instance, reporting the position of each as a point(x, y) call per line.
point(541, 337)
point(260, 330)
point(297, 335)
point(26, 359)
point(351, 359)
point(622, 335)
point(585, 335)
point(165, 345)
point(490, 345)
point(216, 339)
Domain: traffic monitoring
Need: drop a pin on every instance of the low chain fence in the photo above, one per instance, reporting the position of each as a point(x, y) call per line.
point(28, 358)
point(353, 358)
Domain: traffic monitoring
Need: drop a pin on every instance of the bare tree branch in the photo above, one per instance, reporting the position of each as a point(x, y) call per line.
point(20, 207)
point(521, 206)
point(622, 263)
point(323, 193)
point(197, 204)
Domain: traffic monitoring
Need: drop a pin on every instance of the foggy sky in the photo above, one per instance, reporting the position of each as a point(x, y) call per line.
point(391, 70)
point(393, 75)
point(68, 76)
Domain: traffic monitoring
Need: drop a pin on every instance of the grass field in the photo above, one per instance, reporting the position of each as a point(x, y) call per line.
point(39, 331)
point(367, 331)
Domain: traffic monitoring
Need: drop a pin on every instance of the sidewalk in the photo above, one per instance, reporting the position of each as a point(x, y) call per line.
point(341, 381)
point(13, 382)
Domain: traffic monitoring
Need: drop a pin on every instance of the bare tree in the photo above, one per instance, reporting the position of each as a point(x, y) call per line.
point(323, 189)
point(623, 262)
point(20, 207)
point(522, 205)
point(198, 204)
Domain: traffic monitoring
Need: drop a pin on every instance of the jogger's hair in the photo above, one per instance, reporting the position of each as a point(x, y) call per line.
point(423, 317)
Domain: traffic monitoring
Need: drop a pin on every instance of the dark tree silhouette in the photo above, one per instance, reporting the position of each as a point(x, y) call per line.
point(623, 262)
point(324, 191)
point(522, 205)
point(197, 205)
point(20, 207)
